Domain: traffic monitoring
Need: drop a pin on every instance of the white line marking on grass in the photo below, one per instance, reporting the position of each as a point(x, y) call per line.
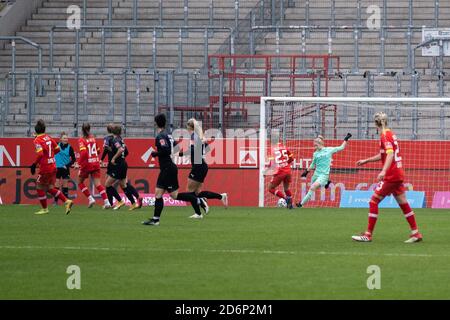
point(237, 251)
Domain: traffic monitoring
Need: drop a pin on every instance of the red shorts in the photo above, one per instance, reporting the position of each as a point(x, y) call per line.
point(385, 188)
point(281, 177)
point(46, 179)
point(84, 174)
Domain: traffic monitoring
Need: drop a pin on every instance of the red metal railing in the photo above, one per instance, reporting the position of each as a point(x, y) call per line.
point(238, 70)
point(236, 73)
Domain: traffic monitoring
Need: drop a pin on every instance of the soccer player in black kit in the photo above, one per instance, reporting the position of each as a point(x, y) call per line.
point(197, 176)
point(168, 175)
point(117, 170)
point(107, 151)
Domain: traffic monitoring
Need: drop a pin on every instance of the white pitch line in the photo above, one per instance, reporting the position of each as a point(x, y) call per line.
point(237, 251)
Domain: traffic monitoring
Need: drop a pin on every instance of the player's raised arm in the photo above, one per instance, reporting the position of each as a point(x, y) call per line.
point(343, 145)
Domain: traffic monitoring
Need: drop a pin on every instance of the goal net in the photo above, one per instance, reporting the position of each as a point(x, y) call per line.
point(422, 127)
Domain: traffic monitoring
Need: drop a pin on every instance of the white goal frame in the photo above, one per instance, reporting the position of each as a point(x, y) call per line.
point(262, 120)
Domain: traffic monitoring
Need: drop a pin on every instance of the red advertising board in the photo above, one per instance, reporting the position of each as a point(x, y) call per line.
point(232, 170)
point(225, 153)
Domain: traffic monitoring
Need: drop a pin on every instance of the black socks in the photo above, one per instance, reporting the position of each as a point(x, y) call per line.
point(112, 193)
point(190, 197)
point(209, 195)
point(129, 195)
point(133, 190)
point(159, 205)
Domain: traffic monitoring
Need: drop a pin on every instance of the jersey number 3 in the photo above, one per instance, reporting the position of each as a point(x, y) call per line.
point(397, 158)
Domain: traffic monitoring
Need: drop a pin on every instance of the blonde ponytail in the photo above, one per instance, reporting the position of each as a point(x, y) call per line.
point(195, 125)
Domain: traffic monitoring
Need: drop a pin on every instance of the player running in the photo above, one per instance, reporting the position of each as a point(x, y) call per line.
point(168, 175)
point(107, 143)
point(107, 151)
point(390, 181)
point(281, 158)
point(197, 176)
point(65, 158)
point(322, 163)
point(117, 171)
point(46, 148)
point(89, 165)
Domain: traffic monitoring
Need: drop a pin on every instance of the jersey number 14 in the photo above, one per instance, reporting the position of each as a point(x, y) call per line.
point(92, 149)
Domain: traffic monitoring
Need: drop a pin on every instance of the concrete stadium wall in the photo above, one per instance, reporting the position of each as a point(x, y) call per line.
point(16, 15)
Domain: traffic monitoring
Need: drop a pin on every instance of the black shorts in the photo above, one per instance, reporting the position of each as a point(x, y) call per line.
point(62, 173)
point(117, 171)
point(199, 172)
point(109, 169)
point(168, 179)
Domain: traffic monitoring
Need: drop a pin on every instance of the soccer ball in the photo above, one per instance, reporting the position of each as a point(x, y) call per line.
point(282, 203)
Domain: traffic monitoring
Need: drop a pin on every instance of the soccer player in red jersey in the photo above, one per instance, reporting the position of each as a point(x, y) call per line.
point(89, 165)
point(390, 181)
point(46, 148)
point(281, 159)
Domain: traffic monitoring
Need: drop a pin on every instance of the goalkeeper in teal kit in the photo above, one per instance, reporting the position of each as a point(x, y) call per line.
point(322, 163)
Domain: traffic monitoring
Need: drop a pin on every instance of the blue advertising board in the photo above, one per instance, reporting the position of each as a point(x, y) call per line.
point(360, 199)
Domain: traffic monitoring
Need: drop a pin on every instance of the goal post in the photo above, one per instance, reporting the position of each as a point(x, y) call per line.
point(422, 126)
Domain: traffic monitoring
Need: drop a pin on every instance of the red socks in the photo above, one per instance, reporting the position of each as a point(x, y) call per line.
point(57, 194)
point(102, 192)
point(373, 214)
point(409, 215)
point(279, 194)
point(54, 192)
point(84, 189)
point(42, 198)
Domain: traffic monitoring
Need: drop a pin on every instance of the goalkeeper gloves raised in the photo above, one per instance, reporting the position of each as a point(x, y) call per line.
point(33, 168)
point(348, 136)
point(305, 173)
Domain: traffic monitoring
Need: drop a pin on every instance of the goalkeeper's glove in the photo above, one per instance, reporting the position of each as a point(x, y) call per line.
point(33, 168)
point(348, 136)
point(181, 153)
point(154, 154)
point(305, 173)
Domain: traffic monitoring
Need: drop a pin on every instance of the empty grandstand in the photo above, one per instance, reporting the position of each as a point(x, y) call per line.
point(126, 60)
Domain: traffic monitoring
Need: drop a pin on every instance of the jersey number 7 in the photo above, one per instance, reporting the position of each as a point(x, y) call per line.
point(49, 146)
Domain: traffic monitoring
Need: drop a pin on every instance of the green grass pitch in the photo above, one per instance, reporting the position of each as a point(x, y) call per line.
point(239, 253)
